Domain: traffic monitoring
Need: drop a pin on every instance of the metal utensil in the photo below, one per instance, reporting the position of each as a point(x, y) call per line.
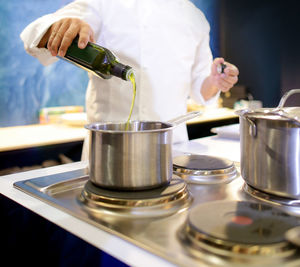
point(133, 159)
point(183, 118)
point(279, 110)
point(270, 150)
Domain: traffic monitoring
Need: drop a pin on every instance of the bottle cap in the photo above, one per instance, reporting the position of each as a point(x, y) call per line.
point(128, 73)
point(122, 71)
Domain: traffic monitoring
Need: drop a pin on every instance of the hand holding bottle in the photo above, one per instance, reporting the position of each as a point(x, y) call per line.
point(72, 39)
point(61, 34)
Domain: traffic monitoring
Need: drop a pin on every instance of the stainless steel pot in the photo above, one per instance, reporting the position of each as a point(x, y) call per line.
point(134, 159)
point(270, 148)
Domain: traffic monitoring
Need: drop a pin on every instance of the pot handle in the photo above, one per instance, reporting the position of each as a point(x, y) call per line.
point(285, 97)
point(183, 118)
point(252, 129)
point(279, 110)
point(243, 113)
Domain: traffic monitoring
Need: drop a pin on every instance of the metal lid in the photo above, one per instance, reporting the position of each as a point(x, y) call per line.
point(280, 113)
point(285, 114)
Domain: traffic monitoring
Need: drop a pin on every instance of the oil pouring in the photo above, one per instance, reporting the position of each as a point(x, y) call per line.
point(101, 62)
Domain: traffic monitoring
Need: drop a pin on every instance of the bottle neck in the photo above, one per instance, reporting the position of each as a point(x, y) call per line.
point(121, 71)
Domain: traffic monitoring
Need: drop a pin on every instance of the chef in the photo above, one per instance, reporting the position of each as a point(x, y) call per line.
point(165, 42)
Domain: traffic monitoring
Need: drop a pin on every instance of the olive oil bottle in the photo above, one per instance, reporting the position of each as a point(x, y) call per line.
point(102, 62)
point(98, 60)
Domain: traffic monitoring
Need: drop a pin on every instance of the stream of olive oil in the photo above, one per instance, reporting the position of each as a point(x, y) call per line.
point(132, 79)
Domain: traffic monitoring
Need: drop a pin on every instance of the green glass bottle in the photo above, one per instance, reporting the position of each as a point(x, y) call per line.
point(98, 60)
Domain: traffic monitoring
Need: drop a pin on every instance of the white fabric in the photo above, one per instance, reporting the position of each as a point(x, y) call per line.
point(165, 41)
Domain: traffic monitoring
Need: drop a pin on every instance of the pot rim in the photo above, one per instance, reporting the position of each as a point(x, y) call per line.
point(90, 126)
point(288, 114)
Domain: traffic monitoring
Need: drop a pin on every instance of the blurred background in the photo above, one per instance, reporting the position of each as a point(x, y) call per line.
point(261, 37)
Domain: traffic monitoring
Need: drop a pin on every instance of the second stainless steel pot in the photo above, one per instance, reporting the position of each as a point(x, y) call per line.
point(270, 149)
point(134, 159)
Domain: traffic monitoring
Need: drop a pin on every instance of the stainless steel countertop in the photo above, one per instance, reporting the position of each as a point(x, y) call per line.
point(158, 235)
point(155, 242)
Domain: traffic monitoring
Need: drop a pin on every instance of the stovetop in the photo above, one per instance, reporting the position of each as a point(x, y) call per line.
point(160, 235)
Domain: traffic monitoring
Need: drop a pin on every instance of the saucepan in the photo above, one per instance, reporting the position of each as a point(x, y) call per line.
point(136, 158)
point(270, 148)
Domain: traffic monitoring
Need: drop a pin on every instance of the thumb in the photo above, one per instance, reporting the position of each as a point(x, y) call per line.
point(216, 63)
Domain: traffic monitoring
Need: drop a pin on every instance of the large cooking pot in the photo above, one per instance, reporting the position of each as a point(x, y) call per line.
point(270, 148)
point(136, 158)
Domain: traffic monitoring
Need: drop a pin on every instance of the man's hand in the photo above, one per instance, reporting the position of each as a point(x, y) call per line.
point(62, 33)
point(226, 80)
point(219, 81)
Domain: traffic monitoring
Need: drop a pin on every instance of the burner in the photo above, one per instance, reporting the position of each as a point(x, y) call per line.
point(203, 169)
point(160, 201)
point(269, 198)
point(239, 229)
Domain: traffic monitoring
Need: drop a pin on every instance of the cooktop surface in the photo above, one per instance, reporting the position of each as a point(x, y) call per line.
point(188, 224)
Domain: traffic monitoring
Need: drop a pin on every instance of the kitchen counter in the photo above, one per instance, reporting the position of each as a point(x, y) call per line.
point(23, 137)
point(119, 248)
point(213, 114)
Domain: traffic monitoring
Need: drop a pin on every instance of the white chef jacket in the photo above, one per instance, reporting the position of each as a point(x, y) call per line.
point(166, 42)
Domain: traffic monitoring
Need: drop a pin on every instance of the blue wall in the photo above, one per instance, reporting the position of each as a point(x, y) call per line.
point(211, 9)
point(25, 85)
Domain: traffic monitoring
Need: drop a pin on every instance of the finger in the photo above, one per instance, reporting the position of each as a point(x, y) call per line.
point(43, 42)
point(231, 70)
point(216, 63)
point(56, 38)
point(56, 43)
point(224, 85)
point(85, 35)
point(92, 36)
point(68, 38)
point(53, 30)
point(59, 37)
point(219, 60)
point(230, 79)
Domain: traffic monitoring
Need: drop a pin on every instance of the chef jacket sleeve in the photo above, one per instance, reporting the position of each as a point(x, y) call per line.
point(202, 65)
point(87, 10)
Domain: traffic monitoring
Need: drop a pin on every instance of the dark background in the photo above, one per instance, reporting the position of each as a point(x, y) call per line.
point(261, 37)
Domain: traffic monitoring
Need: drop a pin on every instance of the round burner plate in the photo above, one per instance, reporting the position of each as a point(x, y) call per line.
point(161, 201)
point(240, 228)
point(204, 169)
